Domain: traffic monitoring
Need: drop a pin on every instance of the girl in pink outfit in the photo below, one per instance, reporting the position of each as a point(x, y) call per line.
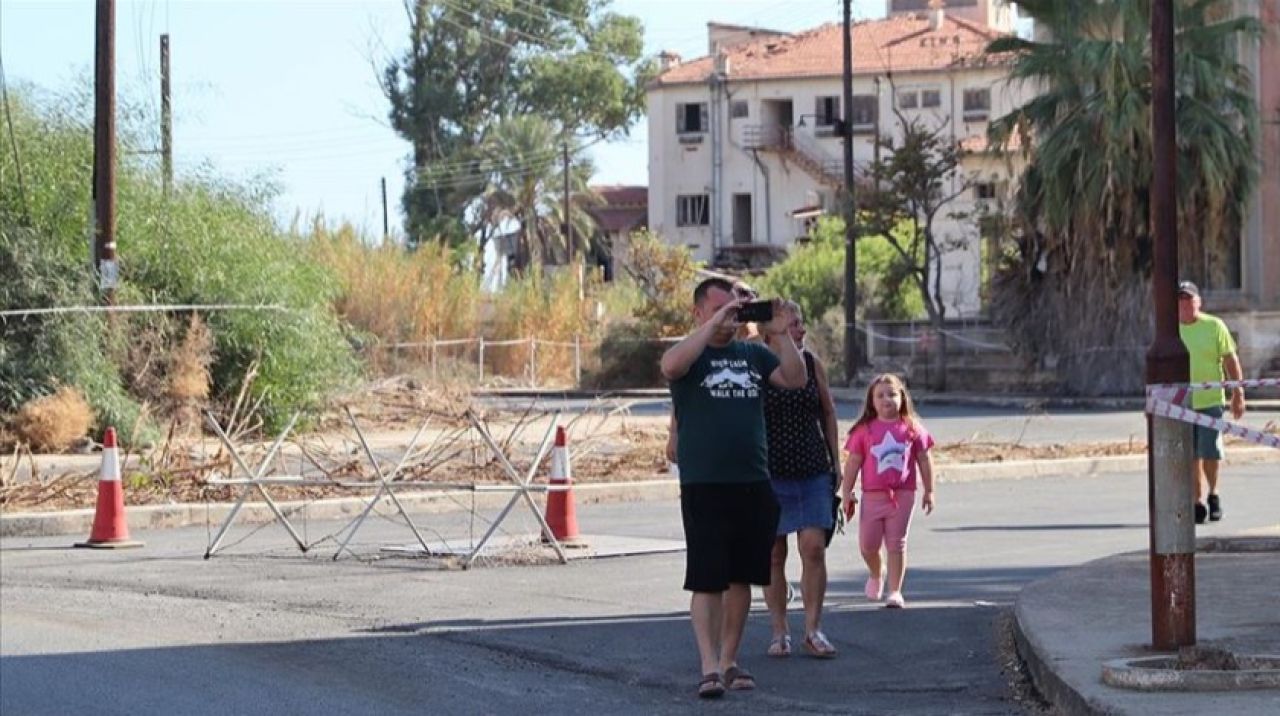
point(888, 446)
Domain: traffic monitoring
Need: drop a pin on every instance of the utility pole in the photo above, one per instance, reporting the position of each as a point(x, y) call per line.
point(567, 227)
point(875, 146)
point(104, 150)
point(850, 211)
point(386, 227)
point(1169, 456)
point(166, 116)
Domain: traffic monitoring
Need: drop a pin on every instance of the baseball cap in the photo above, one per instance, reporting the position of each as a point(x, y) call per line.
point(1189, 289)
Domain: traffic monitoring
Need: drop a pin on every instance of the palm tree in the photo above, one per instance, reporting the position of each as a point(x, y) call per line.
point(1082, 208)
point(525, 193)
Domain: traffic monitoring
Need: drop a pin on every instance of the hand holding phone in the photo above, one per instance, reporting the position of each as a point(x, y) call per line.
point(756, 312)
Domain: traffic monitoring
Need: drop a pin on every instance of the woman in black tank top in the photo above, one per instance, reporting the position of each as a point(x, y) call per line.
point(803, 455)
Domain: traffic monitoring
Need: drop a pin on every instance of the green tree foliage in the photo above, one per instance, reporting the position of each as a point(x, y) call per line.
point(471, 64)
point(664, 276)
point(211, 242)
point(911, 186)
point(526, 193)
point(1082, 225)
point(813, 276)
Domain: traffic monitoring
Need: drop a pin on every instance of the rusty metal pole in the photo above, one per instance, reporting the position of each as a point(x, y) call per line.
point(1169, 457)
point(104, 150)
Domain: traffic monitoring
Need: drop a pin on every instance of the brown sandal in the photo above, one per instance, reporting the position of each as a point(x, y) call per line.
point(739, 679)
point(711, 686)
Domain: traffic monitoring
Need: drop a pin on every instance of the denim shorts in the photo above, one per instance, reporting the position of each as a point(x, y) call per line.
point(805, 503)
point(1208, 441)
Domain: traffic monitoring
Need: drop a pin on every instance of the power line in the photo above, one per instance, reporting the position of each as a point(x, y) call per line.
point(523, 168)
point(455, 173)
point(535, 39)
point(302, 132)
point(549, 10)
point(540, 40)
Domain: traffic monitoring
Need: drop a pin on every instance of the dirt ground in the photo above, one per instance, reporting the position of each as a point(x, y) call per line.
point(610, 447)
point(630, 454)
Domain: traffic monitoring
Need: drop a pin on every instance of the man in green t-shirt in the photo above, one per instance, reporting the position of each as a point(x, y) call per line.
point(1213, 357)
point(727, 505)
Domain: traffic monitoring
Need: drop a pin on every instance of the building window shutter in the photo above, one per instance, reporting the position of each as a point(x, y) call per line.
point(680, 118)
point(704, 124)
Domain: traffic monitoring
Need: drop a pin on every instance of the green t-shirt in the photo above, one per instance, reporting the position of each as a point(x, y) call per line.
point(1208, 341)
point(719, 407)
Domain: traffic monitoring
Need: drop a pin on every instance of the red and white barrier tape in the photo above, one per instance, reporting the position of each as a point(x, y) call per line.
point(1169, 400)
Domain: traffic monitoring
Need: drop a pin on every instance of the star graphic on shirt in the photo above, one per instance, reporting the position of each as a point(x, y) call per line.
point(890, 454)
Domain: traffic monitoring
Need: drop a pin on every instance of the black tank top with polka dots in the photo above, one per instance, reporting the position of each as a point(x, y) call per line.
point(793, 422)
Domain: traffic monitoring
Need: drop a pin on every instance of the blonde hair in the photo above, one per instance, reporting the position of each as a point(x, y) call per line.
point(906, 411)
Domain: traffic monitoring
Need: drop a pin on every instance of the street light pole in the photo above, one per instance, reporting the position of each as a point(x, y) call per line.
point(850, 211)
point(1169, 458)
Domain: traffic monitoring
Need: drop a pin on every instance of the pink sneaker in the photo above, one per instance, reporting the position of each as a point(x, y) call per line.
point(874, 588)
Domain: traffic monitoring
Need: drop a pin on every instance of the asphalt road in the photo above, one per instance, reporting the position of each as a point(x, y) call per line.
point(261, 627)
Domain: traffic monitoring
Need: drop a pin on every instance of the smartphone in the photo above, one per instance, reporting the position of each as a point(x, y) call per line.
point(756, 312)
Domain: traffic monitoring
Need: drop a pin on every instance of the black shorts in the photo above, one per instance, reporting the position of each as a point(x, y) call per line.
point(729, 530)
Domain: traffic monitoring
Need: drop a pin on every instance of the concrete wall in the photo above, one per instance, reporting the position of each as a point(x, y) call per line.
point(1262, 238)
point(677, 168)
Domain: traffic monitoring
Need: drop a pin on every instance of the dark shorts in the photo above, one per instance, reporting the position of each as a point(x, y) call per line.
point(1208, 441)
point(729, 531)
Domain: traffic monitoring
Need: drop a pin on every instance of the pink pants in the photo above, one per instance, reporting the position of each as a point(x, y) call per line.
point(880, 521)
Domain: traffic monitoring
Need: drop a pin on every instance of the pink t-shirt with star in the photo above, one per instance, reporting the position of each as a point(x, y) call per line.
point(888, 450)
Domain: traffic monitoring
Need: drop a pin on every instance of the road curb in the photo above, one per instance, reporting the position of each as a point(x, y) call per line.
point(1079, 466)
point(153, 517)
point(1044, 667)
point(150, 517)
point(1053, 688)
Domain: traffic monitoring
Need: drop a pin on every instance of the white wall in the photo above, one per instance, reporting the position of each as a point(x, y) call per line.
point(676, 168)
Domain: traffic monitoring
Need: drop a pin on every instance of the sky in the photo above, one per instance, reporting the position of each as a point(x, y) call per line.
point(288, 88)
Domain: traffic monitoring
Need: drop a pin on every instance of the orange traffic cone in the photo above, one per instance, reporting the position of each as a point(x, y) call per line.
point(562, 517)
point(110, 530)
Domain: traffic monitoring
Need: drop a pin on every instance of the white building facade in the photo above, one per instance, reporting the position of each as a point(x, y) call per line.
point(743, 145)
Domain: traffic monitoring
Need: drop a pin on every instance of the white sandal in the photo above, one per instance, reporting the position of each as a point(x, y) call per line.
point(780, 646)
point(818, 646)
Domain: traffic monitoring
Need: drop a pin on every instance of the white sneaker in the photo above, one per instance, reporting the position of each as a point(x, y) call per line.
point(874, 588)
point(894, 601)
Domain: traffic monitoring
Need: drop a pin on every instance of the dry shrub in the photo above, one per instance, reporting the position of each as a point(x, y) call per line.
point(141, 347)
point(188, 375)
point(544, 305)
point(53, 422)
point(395, 294)
point(8, 438)
point(401, 402)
